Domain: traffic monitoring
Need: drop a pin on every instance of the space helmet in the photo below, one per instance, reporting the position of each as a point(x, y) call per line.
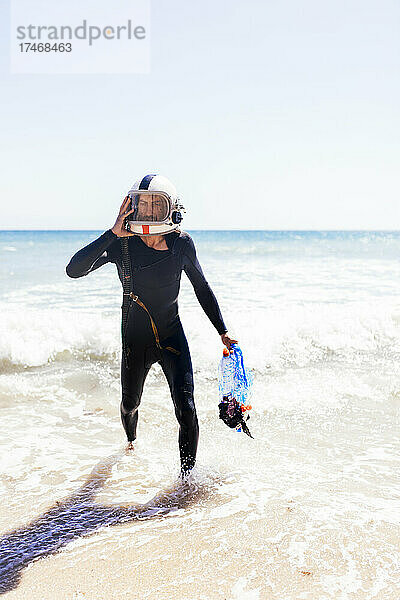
point(156, 207)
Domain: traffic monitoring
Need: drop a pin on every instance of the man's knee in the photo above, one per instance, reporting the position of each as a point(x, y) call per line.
point(185, 409)
point(129, 404)
point(187, 418)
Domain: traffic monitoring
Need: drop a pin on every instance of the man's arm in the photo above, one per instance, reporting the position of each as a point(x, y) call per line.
point(92, 256)
point(203, 292)
point(96, 254)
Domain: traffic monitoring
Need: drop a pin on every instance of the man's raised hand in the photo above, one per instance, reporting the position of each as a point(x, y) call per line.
point(119, 225)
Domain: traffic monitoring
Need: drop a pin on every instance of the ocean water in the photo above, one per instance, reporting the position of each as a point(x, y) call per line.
point(308, 509)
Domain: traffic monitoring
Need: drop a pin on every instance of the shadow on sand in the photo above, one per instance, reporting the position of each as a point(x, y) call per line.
point(77, 516)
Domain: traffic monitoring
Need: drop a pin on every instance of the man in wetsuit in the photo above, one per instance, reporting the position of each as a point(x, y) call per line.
point(153, 331)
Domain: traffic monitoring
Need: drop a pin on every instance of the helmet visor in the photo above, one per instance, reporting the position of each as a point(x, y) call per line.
point(149, 207)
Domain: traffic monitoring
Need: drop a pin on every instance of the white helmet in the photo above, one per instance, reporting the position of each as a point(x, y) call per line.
point(157, 208)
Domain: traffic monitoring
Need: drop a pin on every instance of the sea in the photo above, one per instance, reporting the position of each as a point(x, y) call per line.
point(308, 509)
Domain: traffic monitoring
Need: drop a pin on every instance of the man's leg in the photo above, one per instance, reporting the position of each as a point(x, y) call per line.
point(132, 381)
point(179, 374)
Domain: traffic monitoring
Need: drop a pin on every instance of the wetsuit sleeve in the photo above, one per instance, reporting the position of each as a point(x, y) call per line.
point(92, 256)
point(204, 293)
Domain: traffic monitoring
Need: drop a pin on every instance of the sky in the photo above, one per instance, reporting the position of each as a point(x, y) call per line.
point(265, 114)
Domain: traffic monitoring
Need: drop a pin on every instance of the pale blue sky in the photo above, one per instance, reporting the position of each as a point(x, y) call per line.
point(265, 114)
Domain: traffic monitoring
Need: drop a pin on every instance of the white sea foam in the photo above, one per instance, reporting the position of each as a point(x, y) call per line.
point(294, 336)
point(34, 337)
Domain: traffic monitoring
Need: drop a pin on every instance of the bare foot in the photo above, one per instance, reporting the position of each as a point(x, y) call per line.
point(130, 447)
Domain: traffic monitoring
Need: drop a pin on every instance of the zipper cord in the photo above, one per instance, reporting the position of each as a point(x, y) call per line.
point(128, 298)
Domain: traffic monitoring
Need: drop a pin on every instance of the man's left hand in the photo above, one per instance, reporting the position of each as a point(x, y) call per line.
point(227, 340)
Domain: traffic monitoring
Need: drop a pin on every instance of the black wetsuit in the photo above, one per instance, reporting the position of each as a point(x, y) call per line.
point(156, 276)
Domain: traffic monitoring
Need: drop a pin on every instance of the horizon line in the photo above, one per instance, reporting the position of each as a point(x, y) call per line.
point(55, 229)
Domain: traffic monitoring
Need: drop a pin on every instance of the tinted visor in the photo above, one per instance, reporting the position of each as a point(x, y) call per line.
point(149, 207)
